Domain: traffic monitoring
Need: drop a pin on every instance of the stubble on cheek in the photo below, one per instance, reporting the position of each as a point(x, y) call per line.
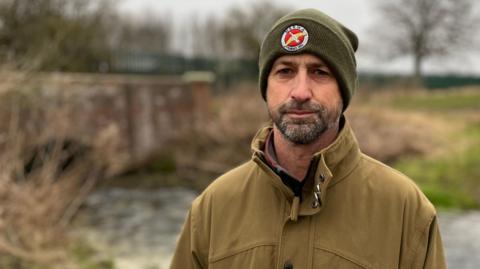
point(304, 130)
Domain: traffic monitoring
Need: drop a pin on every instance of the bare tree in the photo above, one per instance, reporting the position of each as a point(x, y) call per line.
point(150, 33)
point(244, 29)
point(204, 39)
point(60, 35)
point(237, 34)
point(425, 28)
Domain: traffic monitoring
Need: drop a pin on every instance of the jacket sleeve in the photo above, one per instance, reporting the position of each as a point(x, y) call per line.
point(429, 254)
point(189, 253)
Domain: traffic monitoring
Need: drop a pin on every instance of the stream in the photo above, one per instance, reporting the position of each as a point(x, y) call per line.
point(139, 228)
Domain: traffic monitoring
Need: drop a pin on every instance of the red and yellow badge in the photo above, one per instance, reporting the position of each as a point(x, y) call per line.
point(294, 38)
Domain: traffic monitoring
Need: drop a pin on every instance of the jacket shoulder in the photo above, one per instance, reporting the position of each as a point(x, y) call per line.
point(232, 183)
point(420, 239)
point(233, 180)
point(394, 184)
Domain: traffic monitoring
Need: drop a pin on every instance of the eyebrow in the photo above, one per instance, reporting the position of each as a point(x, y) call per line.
point(309, 65)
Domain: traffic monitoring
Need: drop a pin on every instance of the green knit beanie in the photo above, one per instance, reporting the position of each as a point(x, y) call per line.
point(311, 31)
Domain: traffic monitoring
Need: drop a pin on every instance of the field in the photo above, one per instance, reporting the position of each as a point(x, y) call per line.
point(452, 178)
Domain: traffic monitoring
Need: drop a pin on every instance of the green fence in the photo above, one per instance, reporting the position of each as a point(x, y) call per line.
point(231, 71)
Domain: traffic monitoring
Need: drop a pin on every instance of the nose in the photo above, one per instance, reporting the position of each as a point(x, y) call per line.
point(301, 91)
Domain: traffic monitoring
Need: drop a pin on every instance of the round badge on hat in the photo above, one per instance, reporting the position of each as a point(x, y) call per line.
point(294, 38)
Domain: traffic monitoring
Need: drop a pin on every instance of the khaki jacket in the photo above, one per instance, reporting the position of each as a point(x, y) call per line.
point(368, 216)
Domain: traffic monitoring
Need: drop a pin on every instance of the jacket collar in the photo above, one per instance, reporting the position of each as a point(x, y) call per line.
point(333, 164)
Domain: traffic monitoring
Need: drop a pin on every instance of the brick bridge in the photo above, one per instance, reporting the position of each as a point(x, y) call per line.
point(147, 111)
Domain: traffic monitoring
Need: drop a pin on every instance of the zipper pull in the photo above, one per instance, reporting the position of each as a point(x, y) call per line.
point(317, 195)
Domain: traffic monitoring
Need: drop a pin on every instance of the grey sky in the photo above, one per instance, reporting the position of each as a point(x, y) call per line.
point(357, 15)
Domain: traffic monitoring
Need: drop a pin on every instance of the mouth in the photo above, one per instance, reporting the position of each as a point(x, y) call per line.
point(300, 113)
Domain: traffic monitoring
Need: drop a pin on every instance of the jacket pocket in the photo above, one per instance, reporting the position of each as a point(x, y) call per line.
point(325, 258)
point(262, 256)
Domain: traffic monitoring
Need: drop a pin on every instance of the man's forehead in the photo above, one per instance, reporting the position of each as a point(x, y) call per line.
point(309, 59)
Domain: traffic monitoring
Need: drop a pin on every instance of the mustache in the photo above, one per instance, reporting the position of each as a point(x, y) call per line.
point(300, 106)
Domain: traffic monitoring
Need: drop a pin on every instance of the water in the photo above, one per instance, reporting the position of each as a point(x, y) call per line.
point(139, 228)
point(461, 238)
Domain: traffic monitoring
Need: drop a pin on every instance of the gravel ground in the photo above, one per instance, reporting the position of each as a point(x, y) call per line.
point(139, 228)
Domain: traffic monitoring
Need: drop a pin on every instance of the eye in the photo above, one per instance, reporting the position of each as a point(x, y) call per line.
point(321, 72)
point(284, 71)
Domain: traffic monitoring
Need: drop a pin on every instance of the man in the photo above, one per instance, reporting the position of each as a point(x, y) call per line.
point(309, 198)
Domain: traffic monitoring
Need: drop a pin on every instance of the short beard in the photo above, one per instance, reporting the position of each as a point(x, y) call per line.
point(305, 131)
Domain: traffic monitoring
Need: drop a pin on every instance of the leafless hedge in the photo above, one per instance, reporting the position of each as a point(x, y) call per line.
point(43, 182)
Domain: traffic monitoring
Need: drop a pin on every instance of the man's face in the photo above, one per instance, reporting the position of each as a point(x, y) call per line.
point(303, 97)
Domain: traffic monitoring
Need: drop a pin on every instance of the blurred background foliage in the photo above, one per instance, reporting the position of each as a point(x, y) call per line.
point(426, 125)
point(55, 35)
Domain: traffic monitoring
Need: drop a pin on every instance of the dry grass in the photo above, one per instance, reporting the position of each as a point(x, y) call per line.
point(388, 134)
point(38, 204)
point(224, 142)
